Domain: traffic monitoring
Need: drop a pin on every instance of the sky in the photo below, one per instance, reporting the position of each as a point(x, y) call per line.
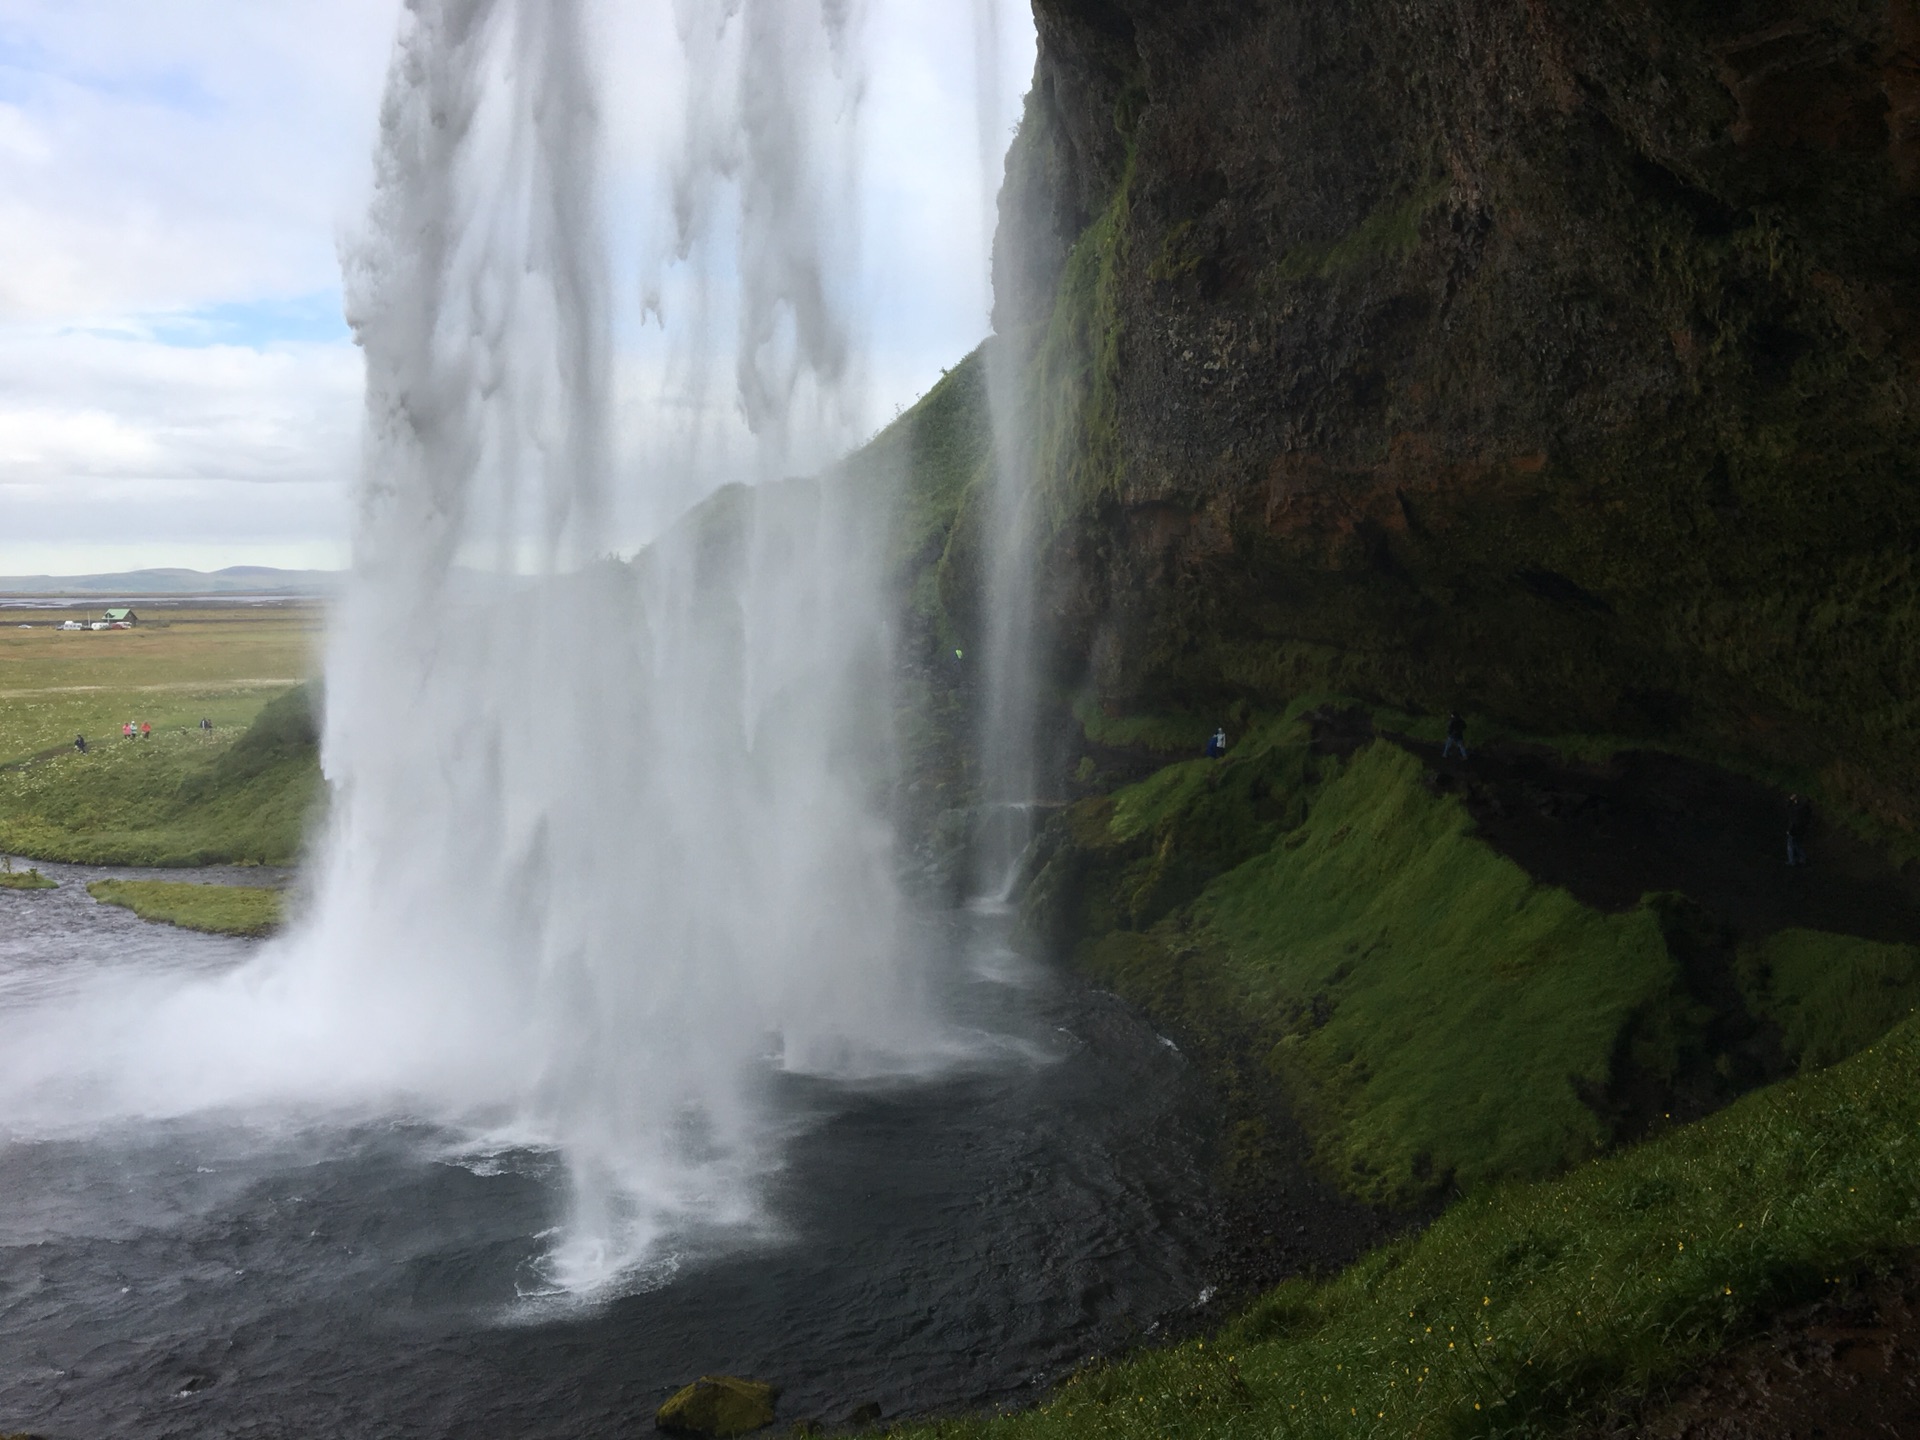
point(177, 385)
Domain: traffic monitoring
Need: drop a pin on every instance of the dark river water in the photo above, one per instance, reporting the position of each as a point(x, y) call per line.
point(943, 1244)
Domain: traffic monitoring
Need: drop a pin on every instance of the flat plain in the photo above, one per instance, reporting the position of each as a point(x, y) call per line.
point(243, 792)
point(178, 666)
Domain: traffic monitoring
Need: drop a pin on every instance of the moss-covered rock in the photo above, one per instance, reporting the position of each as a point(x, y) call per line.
point(1553, 360)
point(718, 1405)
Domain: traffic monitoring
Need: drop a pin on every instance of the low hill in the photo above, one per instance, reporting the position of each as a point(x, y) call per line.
point(145, 584)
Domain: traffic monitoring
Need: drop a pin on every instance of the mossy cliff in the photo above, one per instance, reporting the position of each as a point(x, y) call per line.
point(1555, 361)
point(1552, 362)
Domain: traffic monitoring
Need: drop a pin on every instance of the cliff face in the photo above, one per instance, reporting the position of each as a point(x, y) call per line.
point(1551, 359)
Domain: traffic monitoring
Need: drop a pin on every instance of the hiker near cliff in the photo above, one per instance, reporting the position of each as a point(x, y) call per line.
point(1456, 736)
point(1217, 744)
point(1799, 817)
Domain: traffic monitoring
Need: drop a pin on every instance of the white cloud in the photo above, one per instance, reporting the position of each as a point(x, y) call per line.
point(174, 180)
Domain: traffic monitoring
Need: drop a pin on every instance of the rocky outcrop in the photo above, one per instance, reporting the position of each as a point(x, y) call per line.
point(718, 1406)
point(1555, 360)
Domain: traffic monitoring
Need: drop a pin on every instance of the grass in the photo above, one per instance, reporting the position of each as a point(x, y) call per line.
point(1830, 994)
point(181, 798)
point(216, 909)
point(242, 792)
point(1529, 1304)
point(1434, 1015)
point(1330, 938)
point(220, 663)
point(11, 879)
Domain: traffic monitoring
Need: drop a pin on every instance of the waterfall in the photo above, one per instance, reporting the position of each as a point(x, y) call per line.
point(607, 856)
point(1011, 650)
point(605, 841)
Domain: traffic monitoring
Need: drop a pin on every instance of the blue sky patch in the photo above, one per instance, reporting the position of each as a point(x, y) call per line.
point(313, 319)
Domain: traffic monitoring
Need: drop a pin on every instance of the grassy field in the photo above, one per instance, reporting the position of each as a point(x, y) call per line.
point(1527, 1305)
point(244, 791)
point(220, 663)
point(216, 909)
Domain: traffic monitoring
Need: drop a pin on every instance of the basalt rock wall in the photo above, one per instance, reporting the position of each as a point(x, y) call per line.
point(1558, 360)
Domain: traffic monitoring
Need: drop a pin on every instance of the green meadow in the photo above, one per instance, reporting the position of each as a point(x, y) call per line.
point(173, 670)
point(243, 792)
point(216, 909)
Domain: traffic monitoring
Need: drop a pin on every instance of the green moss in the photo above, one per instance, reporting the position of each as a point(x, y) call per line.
point(1526, 1307)
point(1831, 995)
point(1164, 732)
point(1392, 230)
point(1433, 1014)
point(11, 879)
point(1071, 399)
point(923, 467)
point(216, 909)
point(718, 1406)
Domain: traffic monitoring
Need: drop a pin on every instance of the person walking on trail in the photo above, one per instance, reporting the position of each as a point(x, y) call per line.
point(1217, 744)
point(205, 724)
point(80, 743)
point(126, 730)
point(1799, 817)
point(1456, 736)
point(146, 730)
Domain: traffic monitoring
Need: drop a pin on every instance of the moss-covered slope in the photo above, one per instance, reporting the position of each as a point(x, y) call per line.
point(1531, 1305)
point(1319, 918)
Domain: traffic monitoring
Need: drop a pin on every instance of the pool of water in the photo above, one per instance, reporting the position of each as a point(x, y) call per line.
point(947, 1243)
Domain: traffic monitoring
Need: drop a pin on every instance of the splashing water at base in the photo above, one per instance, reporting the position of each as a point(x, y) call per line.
point(604, 854)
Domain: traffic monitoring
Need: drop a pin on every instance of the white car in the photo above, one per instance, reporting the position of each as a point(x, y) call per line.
point(71, 625)
point(99, 625)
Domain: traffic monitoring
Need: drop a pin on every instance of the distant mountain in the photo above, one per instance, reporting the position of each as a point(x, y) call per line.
point(145, 584)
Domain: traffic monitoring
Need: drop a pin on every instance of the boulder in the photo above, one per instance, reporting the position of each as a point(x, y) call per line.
point(717, 1405)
